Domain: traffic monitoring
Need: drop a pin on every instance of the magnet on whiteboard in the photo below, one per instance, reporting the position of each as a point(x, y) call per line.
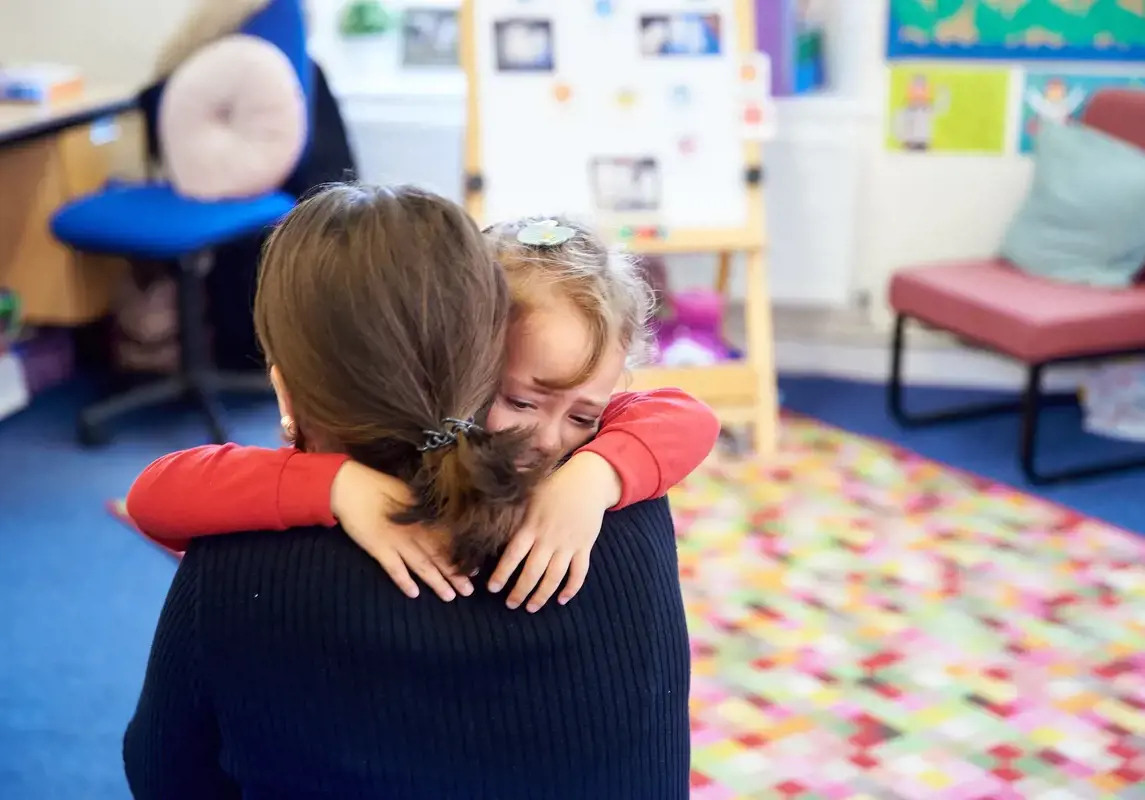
point(688, 145)
point(626, 98)
point(755, 73)
point(759, 123)
point(626, 232)
point(681, 95)
point(603, 7)
point(562, 93)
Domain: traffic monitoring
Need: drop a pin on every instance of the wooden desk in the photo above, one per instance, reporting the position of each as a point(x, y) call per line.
point(50, 155)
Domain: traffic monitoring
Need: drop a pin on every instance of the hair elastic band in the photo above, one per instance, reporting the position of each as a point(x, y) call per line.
point(451, 428)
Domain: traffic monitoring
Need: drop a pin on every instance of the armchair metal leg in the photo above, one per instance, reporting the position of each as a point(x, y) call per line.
point(1030, 406)
point(909, 420)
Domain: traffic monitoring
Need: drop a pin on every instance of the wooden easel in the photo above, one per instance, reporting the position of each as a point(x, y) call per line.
point(741, 392)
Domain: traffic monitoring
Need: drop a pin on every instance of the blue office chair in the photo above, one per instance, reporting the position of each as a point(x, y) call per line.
point(151, 221)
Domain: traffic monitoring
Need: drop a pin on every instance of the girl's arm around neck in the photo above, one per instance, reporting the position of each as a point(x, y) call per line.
point(226, 488)
point(654, 440)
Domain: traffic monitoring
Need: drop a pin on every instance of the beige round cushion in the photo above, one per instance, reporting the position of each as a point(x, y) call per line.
point(232, 120)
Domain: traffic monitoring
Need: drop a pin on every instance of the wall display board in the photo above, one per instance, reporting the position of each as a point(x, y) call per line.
point(939, 107)
point(1101, 30)
point(1056, 96)
point(645, 119)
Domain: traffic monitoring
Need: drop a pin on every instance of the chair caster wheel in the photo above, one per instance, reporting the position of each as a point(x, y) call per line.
point(91, 435)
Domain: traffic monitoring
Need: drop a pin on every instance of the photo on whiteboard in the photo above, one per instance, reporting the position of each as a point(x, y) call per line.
point(625, 184)
point(682, 34)
point(430, 37)
point(524, 45)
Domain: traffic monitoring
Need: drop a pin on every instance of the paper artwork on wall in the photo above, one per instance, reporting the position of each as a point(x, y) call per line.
point(630, 113)
point(1054, 97)
point(429, 37)
point(1058, 30)
point(680, 34)
point(623, 185)
point(943, 109)
point(524, 45)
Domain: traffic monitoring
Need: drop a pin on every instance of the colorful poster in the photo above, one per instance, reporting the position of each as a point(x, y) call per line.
point(941, 109)
point(1059, 30)
point(1054, 97)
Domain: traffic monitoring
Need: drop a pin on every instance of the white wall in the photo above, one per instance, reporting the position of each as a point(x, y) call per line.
point(113, 41)
point(919, 208)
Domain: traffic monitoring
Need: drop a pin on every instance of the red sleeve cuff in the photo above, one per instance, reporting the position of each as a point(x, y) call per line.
point(304, 489)
point(638, 469)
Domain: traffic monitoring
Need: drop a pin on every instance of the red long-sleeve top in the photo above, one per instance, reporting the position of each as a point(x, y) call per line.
point(652, 439)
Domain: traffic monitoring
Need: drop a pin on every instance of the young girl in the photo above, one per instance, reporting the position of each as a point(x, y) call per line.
point(579, 317)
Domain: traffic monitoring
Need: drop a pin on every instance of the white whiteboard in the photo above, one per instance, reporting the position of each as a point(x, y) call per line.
point(622, 117)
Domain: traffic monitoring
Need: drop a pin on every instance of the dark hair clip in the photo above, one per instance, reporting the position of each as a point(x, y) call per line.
point(451, 428)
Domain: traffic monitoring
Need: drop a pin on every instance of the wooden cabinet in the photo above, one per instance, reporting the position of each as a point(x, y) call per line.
point(38, 174)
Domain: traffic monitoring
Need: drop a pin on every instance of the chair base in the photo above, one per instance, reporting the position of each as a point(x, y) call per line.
point(1029, 406)
point(202, 389)
point(197, 379)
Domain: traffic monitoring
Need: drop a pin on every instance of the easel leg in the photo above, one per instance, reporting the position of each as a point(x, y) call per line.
point(724, 273)
point(761, 354)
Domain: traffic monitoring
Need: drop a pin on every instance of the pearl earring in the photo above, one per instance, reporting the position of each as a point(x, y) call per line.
point(288, 427)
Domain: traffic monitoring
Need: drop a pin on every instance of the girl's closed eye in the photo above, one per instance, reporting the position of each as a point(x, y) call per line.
point(585, 422)
point(520, 404)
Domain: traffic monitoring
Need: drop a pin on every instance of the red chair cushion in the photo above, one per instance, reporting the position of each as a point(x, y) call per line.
point(1028, 318)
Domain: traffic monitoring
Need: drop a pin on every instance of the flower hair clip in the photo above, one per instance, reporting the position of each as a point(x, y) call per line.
point(548, 233)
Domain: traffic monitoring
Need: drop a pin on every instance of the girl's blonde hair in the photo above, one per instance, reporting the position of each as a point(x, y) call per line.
point(604, 284)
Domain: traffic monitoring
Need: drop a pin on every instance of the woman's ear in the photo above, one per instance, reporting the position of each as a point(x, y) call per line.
point(285, 409)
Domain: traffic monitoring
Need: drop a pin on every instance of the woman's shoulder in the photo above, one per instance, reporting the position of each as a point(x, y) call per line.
point(638, 535)
point(650, 515)
point(238, 558)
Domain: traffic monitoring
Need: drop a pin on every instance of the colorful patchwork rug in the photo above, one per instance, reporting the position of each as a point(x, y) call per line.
point(867, 624)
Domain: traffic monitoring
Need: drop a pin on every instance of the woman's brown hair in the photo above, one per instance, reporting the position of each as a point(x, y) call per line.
point(385, 313)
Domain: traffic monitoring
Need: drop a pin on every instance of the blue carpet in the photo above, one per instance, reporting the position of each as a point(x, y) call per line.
point(79, 595)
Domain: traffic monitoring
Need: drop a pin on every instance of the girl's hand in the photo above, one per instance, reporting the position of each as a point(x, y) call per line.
point(558, 533)
point(362, 500)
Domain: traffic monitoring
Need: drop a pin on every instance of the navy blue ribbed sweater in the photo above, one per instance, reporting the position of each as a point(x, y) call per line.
point(287, 665)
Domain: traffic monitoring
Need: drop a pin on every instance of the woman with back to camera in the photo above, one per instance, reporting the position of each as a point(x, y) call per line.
point(289, 666)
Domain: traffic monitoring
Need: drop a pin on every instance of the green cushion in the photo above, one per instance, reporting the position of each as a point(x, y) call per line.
point(1084, 219)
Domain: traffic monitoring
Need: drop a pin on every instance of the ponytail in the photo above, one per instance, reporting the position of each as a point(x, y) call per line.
point(476, 487)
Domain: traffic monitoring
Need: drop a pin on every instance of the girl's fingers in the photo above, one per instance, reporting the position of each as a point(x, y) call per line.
point(425, 569)
point(460, 582)
point(551, 582)
point(392, 563)
point(514, 554)
point(534, 570)
point(578, 571)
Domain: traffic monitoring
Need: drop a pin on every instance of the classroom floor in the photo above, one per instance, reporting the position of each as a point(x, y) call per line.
point(79, 594)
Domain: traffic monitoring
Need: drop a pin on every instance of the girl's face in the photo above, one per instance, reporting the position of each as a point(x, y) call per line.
point(544, 349)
